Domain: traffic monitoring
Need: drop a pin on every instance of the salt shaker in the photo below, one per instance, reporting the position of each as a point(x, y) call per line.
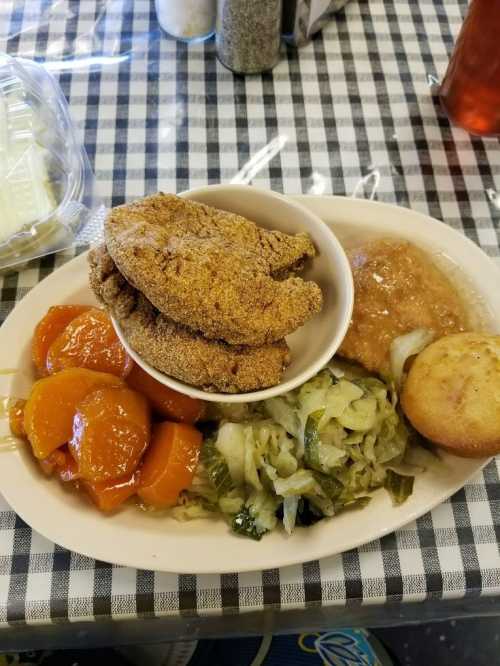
point(248, 34)
point(187, 20)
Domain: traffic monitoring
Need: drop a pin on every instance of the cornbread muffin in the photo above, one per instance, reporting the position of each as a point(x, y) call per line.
point(452, 394)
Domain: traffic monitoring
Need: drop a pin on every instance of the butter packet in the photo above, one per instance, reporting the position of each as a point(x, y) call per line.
point(302, 19)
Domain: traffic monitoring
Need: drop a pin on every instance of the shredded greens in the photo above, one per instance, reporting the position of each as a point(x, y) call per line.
point(400, 487)
point(303, 456)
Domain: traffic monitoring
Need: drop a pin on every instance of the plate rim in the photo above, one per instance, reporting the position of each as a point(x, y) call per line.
point(96, 551)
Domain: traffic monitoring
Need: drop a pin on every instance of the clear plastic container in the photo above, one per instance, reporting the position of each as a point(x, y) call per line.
point(47, 194)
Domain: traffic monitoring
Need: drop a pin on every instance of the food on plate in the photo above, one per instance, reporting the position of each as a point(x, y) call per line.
point(91, 430)
point(294, 459)
point(169, 463)
point(111, 429)
point(452, 394)
point(89, 341)
point(49, 328)
point(16, 417)
point(62, 463)
point(165, 401)
point(174, 349)
point(51, 406)
point(212, 271)
point(403, 349)
point(297, 458)
point(397, 288)
point(302, 456)
point(203, 295)
point(403, 302)
point(110, 495)
point(173, 216)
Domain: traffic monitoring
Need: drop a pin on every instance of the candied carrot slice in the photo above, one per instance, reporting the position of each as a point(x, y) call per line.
point(49, 328)
point(62, 463)
point(168, 403)
point(169, 463)
point(109, 495)
point(111, 431)
point(51, 406)
point(89, 341)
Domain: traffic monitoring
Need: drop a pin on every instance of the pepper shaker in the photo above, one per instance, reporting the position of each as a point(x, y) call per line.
point(248, 34)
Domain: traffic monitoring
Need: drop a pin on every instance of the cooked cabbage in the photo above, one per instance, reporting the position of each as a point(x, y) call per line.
point(257, 517)
point(290, 507)
point(400, 487)
point(305, 455)
point(405, 346)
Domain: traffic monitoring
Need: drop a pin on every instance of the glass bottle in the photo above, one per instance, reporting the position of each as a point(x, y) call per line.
point(470, 92)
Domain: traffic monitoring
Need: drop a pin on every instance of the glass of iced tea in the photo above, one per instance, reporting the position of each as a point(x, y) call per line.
point(470, 92)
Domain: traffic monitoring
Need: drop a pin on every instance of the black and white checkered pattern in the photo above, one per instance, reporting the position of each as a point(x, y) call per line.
point(352, 113)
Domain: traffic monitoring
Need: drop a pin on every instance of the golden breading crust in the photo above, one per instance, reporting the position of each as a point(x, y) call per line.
point(176, 351)
point(397, 289)
point(212, 271)
point(452, 394)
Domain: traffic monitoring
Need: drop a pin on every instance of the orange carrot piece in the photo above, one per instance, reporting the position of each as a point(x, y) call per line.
point(169, 463)
point(68, 471)
point(89, 341)
point(16, 418)
point(62, 463)
point(168, 403)
point(51, 406)
point(109, 495)
point(52, 461)
point(111, 431)
point(48, 329)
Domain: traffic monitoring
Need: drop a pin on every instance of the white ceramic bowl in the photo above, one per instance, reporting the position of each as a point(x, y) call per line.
point(316, 342)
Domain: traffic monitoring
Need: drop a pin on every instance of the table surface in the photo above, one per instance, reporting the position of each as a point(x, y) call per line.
point(353, 113)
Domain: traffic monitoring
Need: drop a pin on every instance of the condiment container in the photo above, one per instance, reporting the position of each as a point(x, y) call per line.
point(470, 92)
point(248, 34)
point(302, 19)
point(187, 20)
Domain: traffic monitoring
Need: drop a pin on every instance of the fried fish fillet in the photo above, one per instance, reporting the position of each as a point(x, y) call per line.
point(174, 349)
point(212, 271)
point(397, 289)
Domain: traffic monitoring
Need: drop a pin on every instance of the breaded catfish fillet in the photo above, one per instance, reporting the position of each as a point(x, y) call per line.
point(212, 271)
point(283, 253)
point(174, 349)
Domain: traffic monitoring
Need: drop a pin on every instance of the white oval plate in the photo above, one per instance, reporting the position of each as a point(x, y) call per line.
point(144, 541)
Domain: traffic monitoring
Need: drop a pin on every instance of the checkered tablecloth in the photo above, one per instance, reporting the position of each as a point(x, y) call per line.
point(353, 113)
